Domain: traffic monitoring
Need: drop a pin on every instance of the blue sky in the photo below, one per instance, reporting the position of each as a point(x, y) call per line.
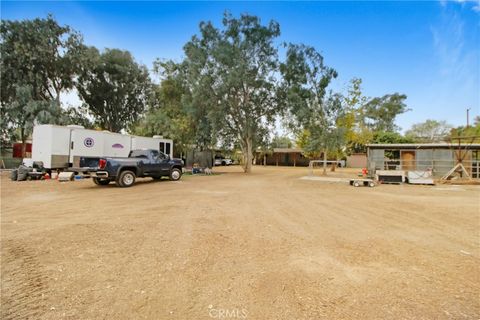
point(428, 50)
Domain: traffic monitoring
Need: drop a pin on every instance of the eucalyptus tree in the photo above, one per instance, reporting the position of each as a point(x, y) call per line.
point(312, 110)
point(429, 131)
point(39, 60)
point(20, 115)
point(39, 53)
point(115, 89)
point(232, 75)
point(379, 113)
point(169, 114)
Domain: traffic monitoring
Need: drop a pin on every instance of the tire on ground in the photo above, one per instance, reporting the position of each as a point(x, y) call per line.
point(101, 182)
point(175, 174)
point(126, 179)
point(14, 175)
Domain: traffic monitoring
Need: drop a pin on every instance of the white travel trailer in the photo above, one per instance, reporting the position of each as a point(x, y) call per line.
point(61, 147)
point(157, 143)
point(51, 145)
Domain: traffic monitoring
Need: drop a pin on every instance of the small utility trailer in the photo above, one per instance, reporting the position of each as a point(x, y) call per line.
point(362, 182)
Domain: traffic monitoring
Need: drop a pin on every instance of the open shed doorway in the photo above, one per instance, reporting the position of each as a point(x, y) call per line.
point(408, 160)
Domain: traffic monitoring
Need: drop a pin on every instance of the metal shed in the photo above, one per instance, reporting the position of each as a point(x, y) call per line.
point(440, 158)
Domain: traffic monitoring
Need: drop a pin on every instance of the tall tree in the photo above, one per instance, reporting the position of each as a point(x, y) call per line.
point(39, 53)
point(232, 72)
point(357, 134)
point(115, 88)
point(380, 113)
point(429, 131)
point(39, 59)
point(312, 110)
point(169, 115)
point(24, 112)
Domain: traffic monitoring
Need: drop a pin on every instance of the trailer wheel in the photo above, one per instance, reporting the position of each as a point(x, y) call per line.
point(126, 179)
point(356, 184)
point(371, 184)
point(101, 182)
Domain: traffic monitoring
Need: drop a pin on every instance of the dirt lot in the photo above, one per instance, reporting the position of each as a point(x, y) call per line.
point(264, 246)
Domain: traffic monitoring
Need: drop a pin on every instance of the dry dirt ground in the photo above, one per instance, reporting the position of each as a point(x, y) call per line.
point(264, 246)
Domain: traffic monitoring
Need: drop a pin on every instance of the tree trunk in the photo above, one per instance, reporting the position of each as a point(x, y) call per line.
point(325, 161)
point(334, 165)
point(247, 156)
point(24, 143)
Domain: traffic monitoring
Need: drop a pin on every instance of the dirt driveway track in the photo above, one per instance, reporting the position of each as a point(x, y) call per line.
point(264, 246)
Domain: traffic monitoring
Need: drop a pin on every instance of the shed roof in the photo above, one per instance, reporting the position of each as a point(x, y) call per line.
point(475, 146)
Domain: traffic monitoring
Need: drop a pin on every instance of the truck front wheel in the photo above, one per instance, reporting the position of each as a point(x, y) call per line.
point(175, 174)
point(126, 179)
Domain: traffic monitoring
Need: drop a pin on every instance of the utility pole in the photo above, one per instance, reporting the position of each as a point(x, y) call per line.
point(468, 117)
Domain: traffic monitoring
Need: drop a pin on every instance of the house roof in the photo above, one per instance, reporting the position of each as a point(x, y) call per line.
point(287, 150)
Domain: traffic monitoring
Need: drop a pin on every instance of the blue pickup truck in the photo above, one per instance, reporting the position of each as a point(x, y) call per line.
point(124, 171)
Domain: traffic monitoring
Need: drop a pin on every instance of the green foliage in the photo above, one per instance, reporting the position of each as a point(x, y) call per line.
point(390, 137)
point(21, 114)
point(41, 54)
point(115, 88)
point(304, 142)
point(313, 112)
point(39, 59)
point(231, 79)
point(379, 113)
point(429, 131)
point(357, 134)
point(76, 116)
point(169, 115)
point(281, 142)
point(471, 134)
point(366, 118)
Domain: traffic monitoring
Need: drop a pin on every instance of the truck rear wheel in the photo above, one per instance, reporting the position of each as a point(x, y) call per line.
point(101, 182)
point(126, 179)
point(175, 174)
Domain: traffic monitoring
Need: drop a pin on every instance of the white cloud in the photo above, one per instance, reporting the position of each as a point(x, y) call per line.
point(476, 7)
point(474, 4)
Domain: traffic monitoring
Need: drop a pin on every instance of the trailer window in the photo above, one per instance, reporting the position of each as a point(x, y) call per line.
point(162, 146)
point(167, 148)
